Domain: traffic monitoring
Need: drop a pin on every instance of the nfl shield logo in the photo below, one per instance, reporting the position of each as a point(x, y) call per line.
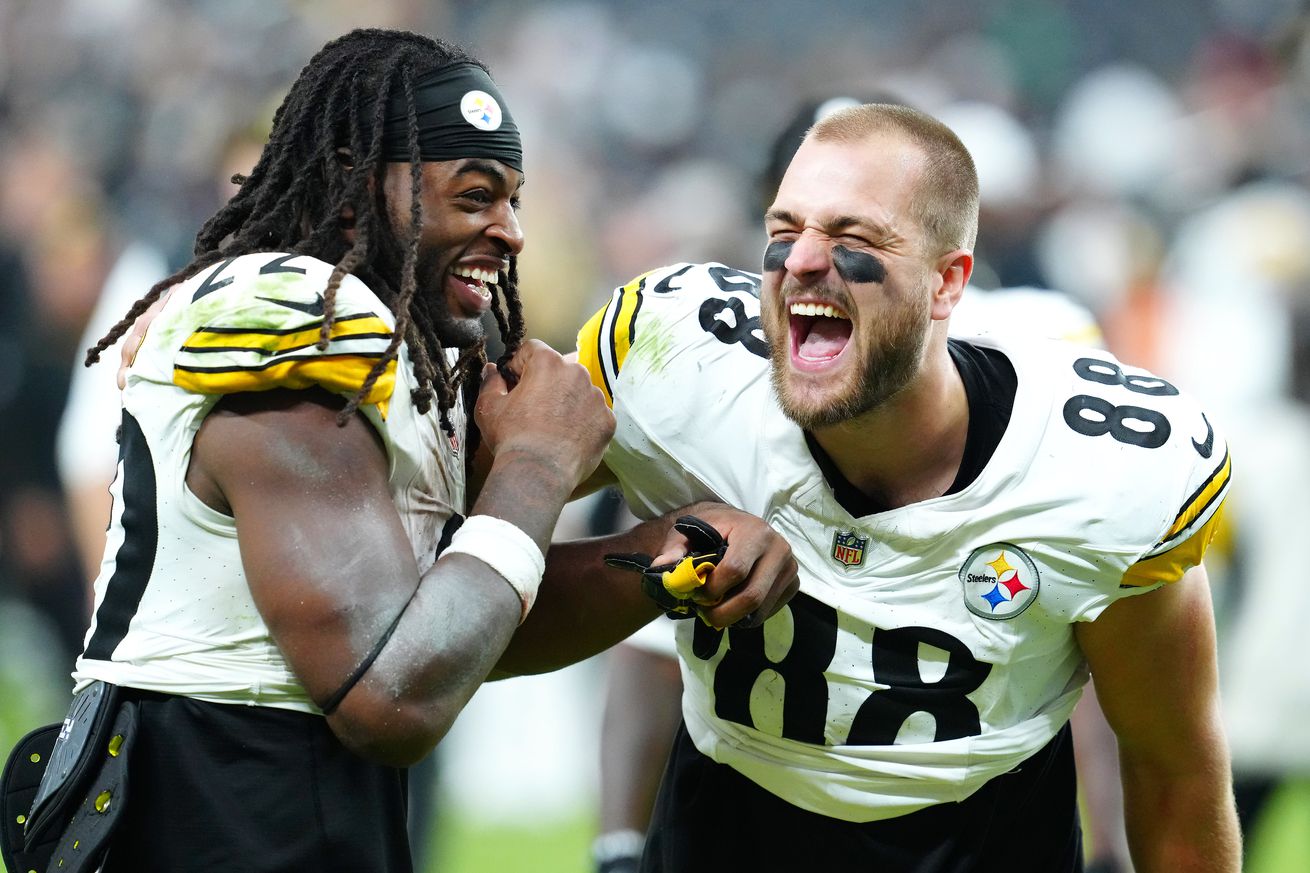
point(848, 549)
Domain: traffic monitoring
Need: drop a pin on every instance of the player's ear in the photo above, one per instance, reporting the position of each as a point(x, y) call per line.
point(952, 273)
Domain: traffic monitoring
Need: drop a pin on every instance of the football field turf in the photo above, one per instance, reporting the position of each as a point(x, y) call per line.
point(1280, 843)
point(560, 841)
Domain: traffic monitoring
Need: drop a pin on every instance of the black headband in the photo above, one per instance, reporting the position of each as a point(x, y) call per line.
point(460, 115)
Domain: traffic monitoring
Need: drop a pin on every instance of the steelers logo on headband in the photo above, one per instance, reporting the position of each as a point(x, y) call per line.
point(481, 110)
point(460, 114)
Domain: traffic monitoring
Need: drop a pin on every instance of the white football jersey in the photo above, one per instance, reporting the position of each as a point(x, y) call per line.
point(173, 611)
point(931, 646)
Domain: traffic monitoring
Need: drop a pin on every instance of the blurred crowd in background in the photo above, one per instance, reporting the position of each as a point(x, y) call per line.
point(1149, 157)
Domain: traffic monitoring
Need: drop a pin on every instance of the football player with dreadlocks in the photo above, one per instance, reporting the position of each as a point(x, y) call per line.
point(293, 605)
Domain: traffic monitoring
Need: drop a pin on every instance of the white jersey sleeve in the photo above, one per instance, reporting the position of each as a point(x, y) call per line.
point(931, 646)
point(653, 328)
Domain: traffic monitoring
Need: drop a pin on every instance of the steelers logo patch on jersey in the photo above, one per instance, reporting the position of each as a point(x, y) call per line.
point(1000, 581)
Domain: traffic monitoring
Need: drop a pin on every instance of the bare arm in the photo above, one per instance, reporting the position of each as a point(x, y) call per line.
point(1153, 657)
point(329, 564)
point(585, 606)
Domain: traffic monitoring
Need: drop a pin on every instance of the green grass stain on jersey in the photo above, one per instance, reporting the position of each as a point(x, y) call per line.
point(290, 285)
point(654, 346)
point(216, 310)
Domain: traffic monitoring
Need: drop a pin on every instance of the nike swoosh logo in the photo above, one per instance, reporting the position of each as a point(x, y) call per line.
point(1206, 448)
point(315, 307)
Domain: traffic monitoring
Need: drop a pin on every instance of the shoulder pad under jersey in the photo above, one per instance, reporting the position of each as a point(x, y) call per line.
point(721, 300)
point(1156, 452)
point(255, 322)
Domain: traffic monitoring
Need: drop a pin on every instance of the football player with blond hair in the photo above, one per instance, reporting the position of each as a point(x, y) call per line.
point(979, 523)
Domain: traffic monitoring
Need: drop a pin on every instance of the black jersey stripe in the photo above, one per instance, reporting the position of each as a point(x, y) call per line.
point(621, 334)
point(210, 350)
point(282, 331)
point(281, 359)
point(1164, 546)
point(600, 353)
point(1216, 484)
point(632, 323)
point(136, 556)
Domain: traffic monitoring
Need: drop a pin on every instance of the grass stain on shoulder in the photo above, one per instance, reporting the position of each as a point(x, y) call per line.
point(654, 348)
point(214, 310)
point(285, 284)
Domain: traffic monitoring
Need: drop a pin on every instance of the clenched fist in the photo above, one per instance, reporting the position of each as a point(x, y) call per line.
point(552, 413)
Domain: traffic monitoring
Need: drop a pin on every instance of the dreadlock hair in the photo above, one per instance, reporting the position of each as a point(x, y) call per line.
point(294, 198)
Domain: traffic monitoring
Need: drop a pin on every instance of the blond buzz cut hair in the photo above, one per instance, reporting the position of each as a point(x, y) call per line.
point(946, 200)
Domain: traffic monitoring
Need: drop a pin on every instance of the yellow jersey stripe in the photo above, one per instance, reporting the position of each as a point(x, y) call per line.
point(1171, 565)
point(607, 337)
point(207, 340)
point(589, 352)
point(1088, 335)
point(1201, 499)
point(624, 331)
point(341, 374)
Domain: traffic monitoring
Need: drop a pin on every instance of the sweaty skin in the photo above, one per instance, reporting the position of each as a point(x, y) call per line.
point(851, 266)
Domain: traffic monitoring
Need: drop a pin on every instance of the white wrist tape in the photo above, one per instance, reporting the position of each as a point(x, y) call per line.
point(505, 548)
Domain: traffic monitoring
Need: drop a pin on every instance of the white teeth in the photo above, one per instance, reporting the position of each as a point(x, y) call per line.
point(824, 309)
point(486, 277)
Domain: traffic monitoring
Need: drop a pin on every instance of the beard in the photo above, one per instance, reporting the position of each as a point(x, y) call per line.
point(887, 354)
point(452, 332)
point(428, 308)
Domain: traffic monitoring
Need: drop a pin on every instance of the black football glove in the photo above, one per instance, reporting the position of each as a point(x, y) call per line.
point(671, 585)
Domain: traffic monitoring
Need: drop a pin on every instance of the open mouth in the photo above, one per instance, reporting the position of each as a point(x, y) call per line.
point(473, 287)
point(820, 332)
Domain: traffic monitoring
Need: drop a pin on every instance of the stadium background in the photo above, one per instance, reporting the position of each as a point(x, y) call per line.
point(1150, 157)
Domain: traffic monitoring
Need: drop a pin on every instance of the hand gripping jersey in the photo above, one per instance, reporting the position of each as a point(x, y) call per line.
point(930, 647)
point(173, 611)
